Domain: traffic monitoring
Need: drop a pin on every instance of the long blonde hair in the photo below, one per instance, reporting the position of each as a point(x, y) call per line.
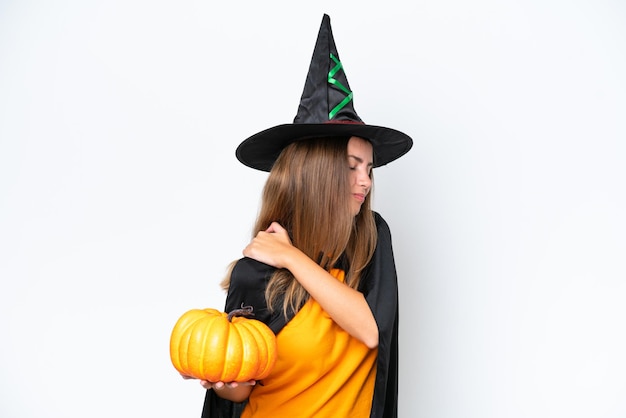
point(307, 192)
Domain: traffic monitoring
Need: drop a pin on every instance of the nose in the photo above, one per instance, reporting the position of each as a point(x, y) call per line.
point(363, 179)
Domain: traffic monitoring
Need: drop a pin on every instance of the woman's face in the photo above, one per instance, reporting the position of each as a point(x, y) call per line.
point(360, 161)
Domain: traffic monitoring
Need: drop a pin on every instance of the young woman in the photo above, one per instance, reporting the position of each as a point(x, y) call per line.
point(319, 270)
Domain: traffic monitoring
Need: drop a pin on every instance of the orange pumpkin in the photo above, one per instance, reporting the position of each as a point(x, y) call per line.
point(211, 345)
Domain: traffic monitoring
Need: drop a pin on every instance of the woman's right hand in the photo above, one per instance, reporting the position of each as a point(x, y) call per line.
point(233, 391)
point(225, 385)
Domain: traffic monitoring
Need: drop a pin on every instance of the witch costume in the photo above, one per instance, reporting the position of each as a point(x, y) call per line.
point(326, 110)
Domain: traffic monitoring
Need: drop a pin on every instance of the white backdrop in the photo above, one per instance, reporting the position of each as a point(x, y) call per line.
point(121, 201)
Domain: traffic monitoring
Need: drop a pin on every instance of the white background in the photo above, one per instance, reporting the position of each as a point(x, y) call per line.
point(121, 201)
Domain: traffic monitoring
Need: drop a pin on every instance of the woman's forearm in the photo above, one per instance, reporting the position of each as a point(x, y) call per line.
point(346, 306)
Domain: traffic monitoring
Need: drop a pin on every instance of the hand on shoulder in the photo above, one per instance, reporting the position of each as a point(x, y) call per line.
point(272, 246)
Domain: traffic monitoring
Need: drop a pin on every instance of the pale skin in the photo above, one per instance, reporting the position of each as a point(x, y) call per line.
point(346, 306)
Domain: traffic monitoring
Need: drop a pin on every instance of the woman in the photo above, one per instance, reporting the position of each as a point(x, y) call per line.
point(319, 269)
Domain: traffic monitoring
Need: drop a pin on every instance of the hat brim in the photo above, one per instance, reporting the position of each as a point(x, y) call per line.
point(261, 150)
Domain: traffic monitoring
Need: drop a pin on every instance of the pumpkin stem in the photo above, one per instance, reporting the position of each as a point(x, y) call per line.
point(243, 311)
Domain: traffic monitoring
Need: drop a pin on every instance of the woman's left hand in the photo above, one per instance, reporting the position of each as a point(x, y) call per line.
point(270, 246)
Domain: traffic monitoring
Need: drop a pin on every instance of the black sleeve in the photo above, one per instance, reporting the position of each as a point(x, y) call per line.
point(380, 287)
point(247, 288)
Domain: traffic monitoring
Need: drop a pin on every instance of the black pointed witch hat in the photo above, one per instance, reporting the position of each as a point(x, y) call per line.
point(326, 109)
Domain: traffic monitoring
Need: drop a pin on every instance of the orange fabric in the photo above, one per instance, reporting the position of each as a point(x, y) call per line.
point(321, 371)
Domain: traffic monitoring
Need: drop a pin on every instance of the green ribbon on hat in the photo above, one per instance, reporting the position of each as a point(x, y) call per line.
point(338, 66)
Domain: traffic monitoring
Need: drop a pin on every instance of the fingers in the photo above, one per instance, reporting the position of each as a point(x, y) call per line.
point(219, 385)
point(222, 385)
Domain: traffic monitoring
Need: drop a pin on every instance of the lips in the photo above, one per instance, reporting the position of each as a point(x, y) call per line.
point(359, 197)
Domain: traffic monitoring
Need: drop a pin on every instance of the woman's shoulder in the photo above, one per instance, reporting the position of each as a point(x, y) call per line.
point(250, 267)
point(249, 272)
point(378, 217)
point(248, 279)
point(381, 223)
